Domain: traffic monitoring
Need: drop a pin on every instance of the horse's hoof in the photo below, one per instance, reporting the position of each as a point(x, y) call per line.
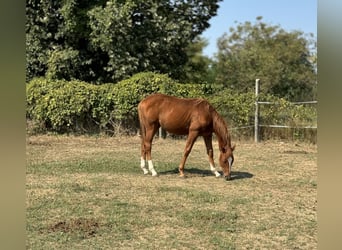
point(217, 175)
point(227, 178)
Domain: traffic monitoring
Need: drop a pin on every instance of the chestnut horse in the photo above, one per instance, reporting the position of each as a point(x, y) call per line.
point(192, 117)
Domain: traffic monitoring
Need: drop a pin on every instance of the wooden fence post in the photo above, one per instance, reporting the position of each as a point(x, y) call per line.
point(256, 117)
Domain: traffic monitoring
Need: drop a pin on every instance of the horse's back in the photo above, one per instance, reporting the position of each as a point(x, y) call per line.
point(176, 115)
point(150, 104)
point(151, 100)
point(162, 103)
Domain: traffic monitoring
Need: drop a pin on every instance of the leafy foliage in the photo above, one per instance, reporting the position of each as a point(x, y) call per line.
point(283, 112)
point(78, 106)
point(60, 105)
point(75, 106)
point(107, 41)
point(282, 60)
point(239, 110)
point(198, 67)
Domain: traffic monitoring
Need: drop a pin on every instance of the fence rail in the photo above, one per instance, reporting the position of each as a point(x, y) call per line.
point(285, 126)
point(256, 118)
point(257, 125)
point(309, 102)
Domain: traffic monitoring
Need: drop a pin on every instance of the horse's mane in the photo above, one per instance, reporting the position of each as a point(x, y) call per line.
point(221, 130)
point(197, 101)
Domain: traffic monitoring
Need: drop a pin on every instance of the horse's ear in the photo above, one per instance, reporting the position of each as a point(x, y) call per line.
point(233, 147)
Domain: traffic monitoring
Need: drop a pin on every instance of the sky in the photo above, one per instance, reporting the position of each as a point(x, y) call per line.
point(288, 14)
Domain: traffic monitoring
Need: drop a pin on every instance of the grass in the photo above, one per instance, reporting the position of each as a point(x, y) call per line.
point(90, 193)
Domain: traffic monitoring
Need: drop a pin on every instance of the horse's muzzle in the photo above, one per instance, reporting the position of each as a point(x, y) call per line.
point(227, 177)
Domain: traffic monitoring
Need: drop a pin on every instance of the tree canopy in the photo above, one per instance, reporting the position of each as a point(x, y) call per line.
point(101, 41)
point(284, 61)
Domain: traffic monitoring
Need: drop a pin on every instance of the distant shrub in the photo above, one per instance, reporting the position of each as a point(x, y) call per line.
point(63, 106)
point(239, 111)
point(75, 106)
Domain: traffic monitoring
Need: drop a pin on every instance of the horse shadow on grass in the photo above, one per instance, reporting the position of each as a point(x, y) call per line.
point(195, 172)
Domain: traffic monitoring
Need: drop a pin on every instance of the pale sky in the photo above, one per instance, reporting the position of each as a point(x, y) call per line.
point(289, 14)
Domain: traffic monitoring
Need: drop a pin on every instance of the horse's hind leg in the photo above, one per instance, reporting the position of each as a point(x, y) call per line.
point(147, 145)
point(143, 138)
point(143, 156)
point(210, 152)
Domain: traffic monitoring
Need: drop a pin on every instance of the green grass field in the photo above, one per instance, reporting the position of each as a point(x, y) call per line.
point(90, 193)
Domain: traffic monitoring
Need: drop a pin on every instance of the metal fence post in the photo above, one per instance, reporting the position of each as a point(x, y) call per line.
point(256, 117)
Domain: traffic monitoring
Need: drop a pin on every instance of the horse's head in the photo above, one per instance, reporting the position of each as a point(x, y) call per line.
point(226, 160)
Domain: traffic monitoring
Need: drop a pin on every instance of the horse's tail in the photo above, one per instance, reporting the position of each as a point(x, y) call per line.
point(141, 122)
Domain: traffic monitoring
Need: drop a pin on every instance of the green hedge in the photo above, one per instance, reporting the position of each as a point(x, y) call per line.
point(77, 106)
point(239, 110)
point(80, 107)
point(64, 106)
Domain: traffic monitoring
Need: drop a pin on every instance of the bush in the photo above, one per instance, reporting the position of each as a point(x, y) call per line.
point(127, 94)
point(239, 111)
point(62, 106)
point(76, 106)
point(297, 117)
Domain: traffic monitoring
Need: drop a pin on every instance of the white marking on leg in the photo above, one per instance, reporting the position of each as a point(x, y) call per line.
point(213, 169)
point(151, 168)
point(142, 165)
point(230, 161)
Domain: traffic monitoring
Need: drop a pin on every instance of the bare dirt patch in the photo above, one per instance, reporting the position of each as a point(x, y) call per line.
point(87, 227)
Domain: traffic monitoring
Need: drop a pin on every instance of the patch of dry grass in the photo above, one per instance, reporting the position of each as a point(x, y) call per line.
point(89, 193)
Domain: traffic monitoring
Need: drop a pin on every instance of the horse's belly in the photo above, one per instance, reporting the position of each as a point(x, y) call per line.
point(178, 129)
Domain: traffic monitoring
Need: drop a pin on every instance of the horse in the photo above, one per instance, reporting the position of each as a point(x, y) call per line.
point(193, 117)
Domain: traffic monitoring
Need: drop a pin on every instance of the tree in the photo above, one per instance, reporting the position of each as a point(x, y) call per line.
point(57, 42)
point(101, 41)
point(198, 66)
point(282, 60)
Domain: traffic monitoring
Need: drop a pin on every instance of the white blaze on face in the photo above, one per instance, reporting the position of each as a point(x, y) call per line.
point(230, 161)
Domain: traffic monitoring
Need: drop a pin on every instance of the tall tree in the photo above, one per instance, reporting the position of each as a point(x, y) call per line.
point(101, 41)
point(197, 69)
point(284, 61)
point(57, 39)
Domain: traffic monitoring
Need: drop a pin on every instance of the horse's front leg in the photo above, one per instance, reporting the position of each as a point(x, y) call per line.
point(210, 152)
point(189, 143)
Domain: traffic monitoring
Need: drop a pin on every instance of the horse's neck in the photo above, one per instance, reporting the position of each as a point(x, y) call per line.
point(224, 141)
point(221, 131)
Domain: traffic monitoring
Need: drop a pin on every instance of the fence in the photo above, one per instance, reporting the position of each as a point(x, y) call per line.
point(257, 125)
